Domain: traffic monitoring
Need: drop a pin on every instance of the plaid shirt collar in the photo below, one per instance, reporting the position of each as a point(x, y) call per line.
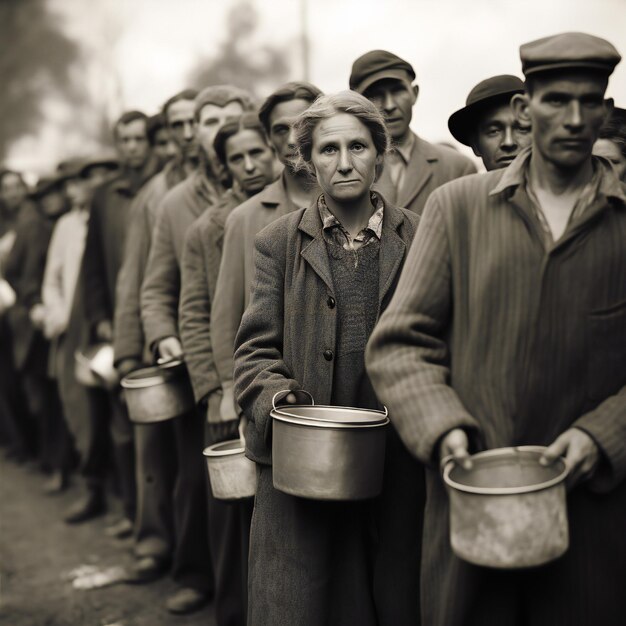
point(334, 230)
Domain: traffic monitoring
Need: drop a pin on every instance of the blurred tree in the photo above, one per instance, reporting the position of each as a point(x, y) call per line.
point(239, 61)
point(35, 59)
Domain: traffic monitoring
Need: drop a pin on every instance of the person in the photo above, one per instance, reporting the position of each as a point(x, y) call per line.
point(414, 167)
point(508, 327)
point(611, 144)
point(322, 275)
point(24, 271)
point(291, 191)
point(160, 294)
point(102, 257)
point(154, 447)
point(487, 124)
point(163, 147)
point(242, 148)
point(61, 325)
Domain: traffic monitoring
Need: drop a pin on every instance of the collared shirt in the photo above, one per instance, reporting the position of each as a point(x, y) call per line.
point(586, 198)
point(398, 160)
point(336, 234)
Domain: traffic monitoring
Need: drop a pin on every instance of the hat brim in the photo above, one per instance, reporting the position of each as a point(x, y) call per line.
point(110, 163)
point(398, 74)
point(462, 123)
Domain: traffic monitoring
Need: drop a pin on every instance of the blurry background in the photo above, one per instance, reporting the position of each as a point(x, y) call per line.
point(70, 67)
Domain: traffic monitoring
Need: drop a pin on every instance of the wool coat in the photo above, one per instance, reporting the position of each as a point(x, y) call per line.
point(232, 292)
point(200, 266)
point(490, 332)
point(286, 335)
point(160, 290)
point(429, 167)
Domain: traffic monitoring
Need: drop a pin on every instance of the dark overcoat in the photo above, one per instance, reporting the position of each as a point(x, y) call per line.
point(289, 325)
point(492, 332)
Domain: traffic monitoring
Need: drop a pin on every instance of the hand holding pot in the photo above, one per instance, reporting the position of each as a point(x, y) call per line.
point(104, 331)
point(454, 445)
point(170, 348)
point(229, 411)
point(580, 451)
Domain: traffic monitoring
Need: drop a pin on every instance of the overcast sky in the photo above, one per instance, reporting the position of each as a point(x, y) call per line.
point(452, 44)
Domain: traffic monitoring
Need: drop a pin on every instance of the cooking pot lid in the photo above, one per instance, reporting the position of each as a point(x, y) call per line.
point(330, 416)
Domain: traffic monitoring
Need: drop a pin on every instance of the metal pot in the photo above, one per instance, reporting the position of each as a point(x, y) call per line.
point(231, 473)
point(93, 367)
point(158, 393)
point(328, 452)
point(508, 511)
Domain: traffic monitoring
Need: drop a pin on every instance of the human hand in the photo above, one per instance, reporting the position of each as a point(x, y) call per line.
point(104, 331)
point(580, 451)
point(228, 407)
point(126, 366)
point(37, 315)
point(170, 348)
point(455, 444)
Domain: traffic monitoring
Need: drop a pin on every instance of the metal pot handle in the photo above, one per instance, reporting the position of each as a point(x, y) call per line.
point(445, 462)
point(287, 391)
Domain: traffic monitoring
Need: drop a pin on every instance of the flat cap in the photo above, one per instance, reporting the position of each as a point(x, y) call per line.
point(376, 65)
point(488, 92)
point(569, 50)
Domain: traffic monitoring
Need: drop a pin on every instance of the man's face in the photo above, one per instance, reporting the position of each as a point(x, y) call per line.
point(566, 113)
point(210, 120)
point(164, 147)
point(13, 191)
point(499, 137)
point(344, 157)
point(78, 192)
point(610, 151)
point(53, 202)
point(250, 161)
point(132, 143)
point(395, 99)
point(182, 123)
point(281, 121)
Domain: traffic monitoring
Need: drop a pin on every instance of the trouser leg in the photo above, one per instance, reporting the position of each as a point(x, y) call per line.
point(124, 451)
point(155, 473)
point(97, 457)
point(192, 560)
point(229, 536)
point(55, 431)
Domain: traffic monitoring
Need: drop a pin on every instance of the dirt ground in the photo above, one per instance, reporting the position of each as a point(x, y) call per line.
point(40, 556)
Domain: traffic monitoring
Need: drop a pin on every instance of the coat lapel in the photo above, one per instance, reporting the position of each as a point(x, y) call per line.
point(418, 173)
point(392, 250)
point(315, 252)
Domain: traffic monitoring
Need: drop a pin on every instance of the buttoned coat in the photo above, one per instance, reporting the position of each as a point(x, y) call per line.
point(491, 332)
point(429, 167)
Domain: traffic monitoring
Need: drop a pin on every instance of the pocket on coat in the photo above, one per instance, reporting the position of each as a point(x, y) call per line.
point(606, 373)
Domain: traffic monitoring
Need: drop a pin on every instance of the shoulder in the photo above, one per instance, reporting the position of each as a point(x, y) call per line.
point(173, 197)
point(448, 157)
point(276, 236)
point(251, 207)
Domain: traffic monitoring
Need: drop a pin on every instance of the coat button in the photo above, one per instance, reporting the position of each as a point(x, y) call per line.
point(331, 302)
point(328, 355)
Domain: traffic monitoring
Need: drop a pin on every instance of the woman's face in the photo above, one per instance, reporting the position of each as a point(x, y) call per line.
point(609, 150)
point(344, 158)
point(250, 161)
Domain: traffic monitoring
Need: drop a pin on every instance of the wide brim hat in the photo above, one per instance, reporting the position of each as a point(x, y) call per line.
point(105, 158)
point(488, 93)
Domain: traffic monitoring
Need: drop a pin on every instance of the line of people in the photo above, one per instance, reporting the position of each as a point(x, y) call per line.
point(261, 244)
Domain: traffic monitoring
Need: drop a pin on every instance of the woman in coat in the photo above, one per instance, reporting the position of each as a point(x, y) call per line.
point(323, 275)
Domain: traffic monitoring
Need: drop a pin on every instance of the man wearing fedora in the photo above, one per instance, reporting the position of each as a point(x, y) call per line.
point(414, 167)
point(508, 328)
point(487, 124)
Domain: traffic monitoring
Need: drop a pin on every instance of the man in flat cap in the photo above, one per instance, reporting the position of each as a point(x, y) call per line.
point(487, 124)
point(414, 167)
point(508, 327)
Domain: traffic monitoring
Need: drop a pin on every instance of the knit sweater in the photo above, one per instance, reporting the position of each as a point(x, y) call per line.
point(356, 291)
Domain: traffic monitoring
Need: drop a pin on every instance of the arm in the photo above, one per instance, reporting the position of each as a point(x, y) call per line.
point(96, 302)
point(195, 315)
point(128, 339)
point(161, 285)
point(407, 355)
point(229, 304)
point(260, 371)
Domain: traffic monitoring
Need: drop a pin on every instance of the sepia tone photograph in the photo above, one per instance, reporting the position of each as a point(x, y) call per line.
point(312, 313)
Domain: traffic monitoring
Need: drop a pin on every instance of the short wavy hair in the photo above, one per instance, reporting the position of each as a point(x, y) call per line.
point(234, 125)
point(326, 106)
